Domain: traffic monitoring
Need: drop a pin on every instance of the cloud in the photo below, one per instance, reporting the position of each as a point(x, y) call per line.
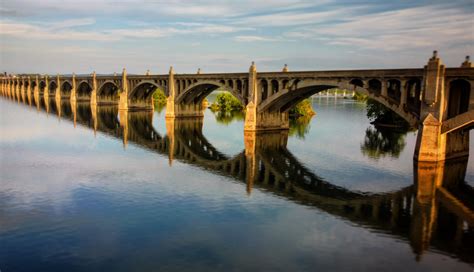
point(285, 19)
point(418, 27)
point(64, 30)
point(73, 23)
point(254, 39)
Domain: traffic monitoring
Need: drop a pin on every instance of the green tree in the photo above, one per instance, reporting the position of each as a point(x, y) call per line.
point(304, 108)
point(226, 102)
point(159, 97)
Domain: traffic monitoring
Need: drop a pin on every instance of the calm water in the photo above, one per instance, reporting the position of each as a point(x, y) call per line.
point(92, 190)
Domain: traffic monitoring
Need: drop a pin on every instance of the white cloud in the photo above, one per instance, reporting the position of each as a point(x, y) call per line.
point(411, 28)
point(72, 23)
point(254, 39)
point(64, 30)
point(285, 19)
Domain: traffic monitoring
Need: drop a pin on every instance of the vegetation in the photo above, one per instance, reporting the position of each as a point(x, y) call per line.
point(226, 118)
point(381, 141)
point(226, 102)
point(159, 107)
point(304, 108)
point(360, 97)
point(299, 127)
point(159, 97)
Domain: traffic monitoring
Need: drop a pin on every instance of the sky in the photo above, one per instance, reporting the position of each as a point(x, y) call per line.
point(64, 36)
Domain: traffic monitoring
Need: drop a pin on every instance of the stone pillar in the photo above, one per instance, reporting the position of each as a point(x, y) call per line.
point(431, 144)
point(28, 90)
point(94, 90)
point(170, 101)
point(36, 94)
point(11, 88)
point(9, 85)
point(261, 121)
point(57, 94)
point(123, 103)
point(17, 88)
point(46, 89)
point(384, 90)
point(22, 89)
point(73, 97)
point(404, 94)
point(175, 109)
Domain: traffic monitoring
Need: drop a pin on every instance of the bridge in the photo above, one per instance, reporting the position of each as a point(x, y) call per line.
point(437, 100)
point(434, 212)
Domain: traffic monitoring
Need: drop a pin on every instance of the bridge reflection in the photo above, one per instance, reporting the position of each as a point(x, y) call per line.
point(435, 213)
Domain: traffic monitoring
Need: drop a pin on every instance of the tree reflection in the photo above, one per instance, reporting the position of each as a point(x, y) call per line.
point(381, 141)
point(299, 127)
point(227, 117)
point(159, 106)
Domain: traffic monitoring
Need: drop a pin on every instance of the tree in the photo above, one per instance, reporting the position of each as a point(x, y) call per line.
point(304, 108)
point(226, 102)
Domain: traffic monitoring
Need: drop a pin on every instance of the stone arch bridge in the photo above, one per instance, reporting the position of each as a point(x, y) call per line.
point(439, 100)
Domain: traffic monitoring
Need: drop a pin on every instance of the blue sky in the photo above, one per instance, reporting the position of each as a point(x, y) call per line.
point(61, 36)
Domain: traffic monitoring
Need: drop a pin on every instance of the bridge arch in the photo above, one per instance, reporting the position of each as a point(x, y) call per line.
point(66, 88)
point(199, 90)
point(394, 89)
point(52, 87)
point(84, 90)
point(108, 91)
point(357, 82)
point(42, 86)
point(264, 89)
point(299, 90)
point(458, 97)
point(144, 90)
point(375, 86)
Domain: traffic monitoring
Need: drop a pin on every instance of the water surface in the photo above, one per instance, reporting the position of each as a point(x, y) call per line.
point(86, 189)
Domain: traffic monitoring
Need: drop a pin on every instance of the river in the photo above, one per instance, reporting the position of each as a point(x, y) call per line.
point(93, 190)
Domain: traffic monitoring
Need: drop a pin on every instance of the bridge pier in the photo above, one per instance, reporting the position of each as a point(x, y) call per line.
point(432, 144)
point(261, 121)
point(180, 110)
point(22, 90)
point(94, 90)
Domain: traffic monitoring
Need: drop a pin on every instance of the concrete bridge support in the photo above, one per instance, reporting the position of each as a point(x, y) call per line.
point(73, 97)
point(22, 90)
point(124, 100)
point(433, 145)
point(180, 110)
point(261, 121)
point(28, 91)
point(94, 90)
